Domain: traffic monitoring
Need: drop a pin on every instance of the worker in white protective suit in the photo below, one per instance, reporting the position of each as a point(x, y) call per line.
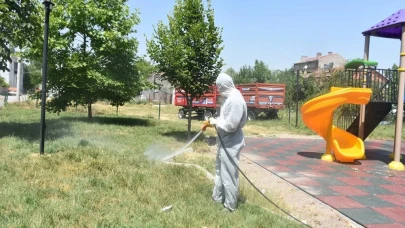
point(229, 124)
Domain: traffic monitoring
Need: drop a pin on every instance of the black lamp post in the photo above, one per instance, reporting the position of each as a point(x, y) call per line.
point(48, 7)
point(157, 91)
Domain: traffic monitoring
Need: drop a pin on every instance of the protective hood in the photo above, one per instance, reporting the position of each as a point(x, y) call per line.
point(225, 84)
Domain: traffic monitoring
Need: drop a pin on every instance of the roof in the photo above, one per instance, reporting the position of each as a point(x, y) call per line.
point(310, 59)
point(390, 27)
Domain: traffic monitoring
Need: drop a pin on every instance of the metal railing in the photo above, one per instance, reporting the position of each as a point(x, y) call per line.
point(345, 115)
point(384, 86)
point(383, 82)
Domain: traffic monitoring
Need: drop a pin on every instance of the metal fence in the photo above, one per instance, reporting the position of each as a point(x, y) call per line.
point(384, 86)
point(383, 82)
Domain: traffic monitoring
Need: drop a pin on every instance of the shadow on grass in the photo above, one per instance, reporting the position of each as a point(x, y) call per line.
point(263, 117)
point(182, 135)
point(242, 198)
point(121, 121)
point(30, 131)
point(194, 117)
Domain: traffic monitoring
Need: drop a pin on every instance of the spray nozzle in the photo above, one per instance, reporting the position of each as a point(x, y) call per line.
point(206, 124)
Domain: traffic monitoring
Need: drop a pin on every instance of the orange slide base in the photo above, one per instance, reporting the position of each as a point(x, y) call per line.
point(317, 114)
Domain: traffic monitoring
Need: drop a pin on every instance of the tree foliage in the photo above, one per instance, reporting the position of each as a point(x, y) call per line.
point(20, 25)
point(146, 69)
point(260, 73)
point(91, 54)
point(32, 75)
point(3, 83)
point(308, 86)
point(187, 50)
point(245, 75)
point(231, 72)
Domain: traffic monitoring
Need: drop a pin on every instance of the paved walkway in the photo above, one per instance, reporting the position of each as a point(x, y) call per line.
point(365, 191)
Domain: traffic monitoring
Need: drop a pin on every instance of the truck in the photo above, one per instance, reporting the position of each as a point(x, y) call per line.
point(259, 97)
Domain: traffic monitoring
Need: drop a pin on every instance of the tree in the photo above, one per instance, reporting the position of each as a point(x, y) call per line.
point(32, 75)
point(288, 77)
point(20, 25)
point(91, 54)
point(231, 72)
point(309, 88)
point(261, 72)
point(245, 75)
point(146, 69)
point(187, 50)
point(258, 73)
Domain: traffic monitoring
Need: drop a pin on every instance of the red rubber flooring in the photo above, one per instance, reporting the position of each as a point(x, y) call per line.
point(365, 191)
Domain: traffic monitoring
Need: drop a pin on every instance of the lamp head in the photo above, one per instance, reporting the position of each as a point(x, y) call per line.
point(46, 2)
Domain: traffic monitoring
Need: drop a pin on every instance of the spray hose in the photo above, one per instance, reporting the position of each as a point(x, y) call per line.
point(257, 189)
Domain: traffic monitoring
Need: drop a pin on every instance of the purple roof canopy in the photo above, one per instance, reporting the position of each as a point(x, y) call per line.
point(391, 27)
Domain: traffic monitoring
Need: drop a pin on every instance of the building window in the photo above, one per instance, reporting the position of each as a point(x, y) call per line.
point(15, 67)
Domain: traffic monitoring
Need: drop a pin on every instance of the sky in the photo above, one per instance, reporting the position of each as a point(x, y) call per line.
point(280, 32)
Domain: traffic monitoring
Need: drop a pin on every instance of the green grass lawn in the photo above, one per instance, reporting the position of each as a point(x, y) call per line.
point(263, 127)
point(95, 173)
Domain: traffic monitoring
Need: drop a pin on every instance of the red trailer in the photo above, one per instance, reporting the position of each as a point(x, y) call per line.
point(206, 105)
point(263, 97)
point(259, 97)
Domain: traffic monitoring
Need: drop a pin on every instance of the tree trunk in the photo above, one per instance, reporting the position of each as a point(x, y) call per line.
point(89, 111)
point(190, 105)
point(116, 111)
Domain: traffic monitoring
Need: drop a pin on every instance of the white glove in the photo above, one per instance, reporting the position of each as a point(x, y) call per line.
point(213, 121)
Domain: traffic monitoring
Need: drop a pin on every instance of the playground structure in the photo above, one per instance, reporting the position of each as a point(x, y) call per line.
point(259, 97)
point(386, 87)
point(317, 114)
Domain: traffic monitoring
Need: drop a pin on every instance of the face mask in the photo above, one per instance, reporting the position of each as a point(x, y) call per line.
point(224, 90)
point(220, 101)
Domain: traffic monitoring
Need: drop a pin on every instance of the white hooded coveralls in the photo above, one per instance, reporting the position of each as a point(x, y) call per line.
point(232, 119)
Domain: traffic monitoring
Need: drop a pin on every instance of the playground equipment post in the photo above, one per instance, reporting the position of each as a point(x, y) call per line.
point(363, 107)
point(400, 106)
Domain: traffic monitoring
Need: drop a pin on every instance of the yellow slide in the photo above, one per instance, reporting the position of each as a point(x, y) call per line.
point(317, 114)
